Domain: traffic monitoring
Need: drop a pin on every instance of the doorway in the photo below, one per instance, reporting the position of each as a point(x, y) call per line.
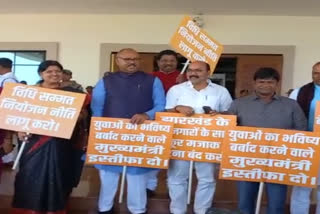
point(233, 71)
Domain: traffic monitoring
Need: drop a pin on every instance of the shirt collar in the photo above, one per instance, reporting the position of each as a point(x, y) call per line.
point(254, 96)
point(9, 74)
point(210, 84)
point(317, 86)
point(168, 73)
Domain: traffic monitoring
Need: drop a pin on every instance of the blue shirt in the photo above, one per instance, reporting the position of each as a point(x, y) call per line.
point(97, 104)
point(313, 104)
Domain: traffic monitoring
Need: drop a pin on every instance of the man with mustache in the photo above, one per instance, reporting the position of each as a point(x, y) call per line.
point(167, 62)
point(127, 93)
point(264, 108)
point(189, 98)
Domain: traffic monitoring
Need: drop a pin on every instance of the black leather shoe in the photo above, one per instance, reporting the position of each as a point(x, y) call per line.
point(221, 211)
point(150, 193)
point(107, 212)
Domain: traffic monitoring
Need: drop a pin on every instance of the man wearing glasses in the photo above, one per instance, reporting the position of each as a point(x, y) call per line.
point(133, 94)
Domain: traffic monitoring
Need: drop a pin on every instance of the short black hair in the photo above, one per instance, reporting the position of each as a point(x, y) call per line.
point(6, 63)
point(266, 73)
point(167, 52)
point(46, 64)
point(208, 66)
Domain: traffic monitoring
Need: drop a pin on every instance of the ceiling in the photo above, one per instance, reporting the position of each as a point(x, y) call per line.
point(206, 7)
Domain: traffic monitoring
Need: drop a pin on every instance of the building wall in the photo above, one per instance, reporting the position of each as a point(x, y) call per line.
point(80, 35)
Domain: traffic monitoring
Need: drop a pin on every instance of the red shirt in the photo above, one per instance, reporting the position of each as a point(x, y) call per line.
point(88, 99)
point(168, 79)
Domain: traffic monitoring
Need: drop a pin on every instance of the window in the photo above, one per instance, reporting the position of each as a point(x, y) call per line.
point(25, 64)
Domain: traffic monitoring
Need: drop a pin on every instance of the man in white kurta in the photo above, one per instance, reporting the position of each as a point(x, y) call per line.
point(189, 98)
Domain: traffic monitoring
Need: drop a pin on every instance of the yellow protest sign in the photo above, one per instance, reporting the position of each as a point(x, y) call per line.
point(39, 110)
point(116, 141)
point(195, 44)
point(197, 138)
point(271, 155)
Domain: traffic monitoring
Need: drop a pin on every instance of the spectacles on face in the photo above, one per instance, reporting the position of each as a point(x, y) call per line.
point(129, 59)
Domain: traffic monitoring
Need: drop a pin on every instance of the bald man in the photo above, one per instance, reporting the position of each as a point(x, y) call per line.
point(189, 98)
point(133, 94)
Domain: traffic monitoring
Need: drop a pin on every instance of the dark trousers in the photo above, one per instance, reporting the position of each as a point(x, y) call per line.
point(248, 193)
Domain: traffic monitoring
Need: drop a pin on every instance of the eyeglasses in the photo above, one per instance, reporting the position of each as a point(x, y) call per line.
point(129, 59)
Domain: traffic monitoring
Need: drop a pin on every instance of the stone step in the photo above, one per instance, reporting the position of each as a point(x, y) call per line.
point(157, 205)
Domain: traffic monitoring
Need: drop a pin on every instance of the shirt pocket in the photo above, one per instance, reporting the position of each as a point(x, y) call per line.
point(187, 100)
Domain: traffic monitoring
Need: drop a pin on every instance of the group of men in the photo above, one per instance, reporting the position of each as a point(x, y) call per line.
point(133, 94)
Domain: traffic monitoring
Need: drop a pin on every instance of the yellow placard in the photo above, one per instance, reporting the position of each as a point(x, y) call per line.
point(195, 44)
point(271, 155)
point(39, 110)
point(197, 138)
point(116, 141)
